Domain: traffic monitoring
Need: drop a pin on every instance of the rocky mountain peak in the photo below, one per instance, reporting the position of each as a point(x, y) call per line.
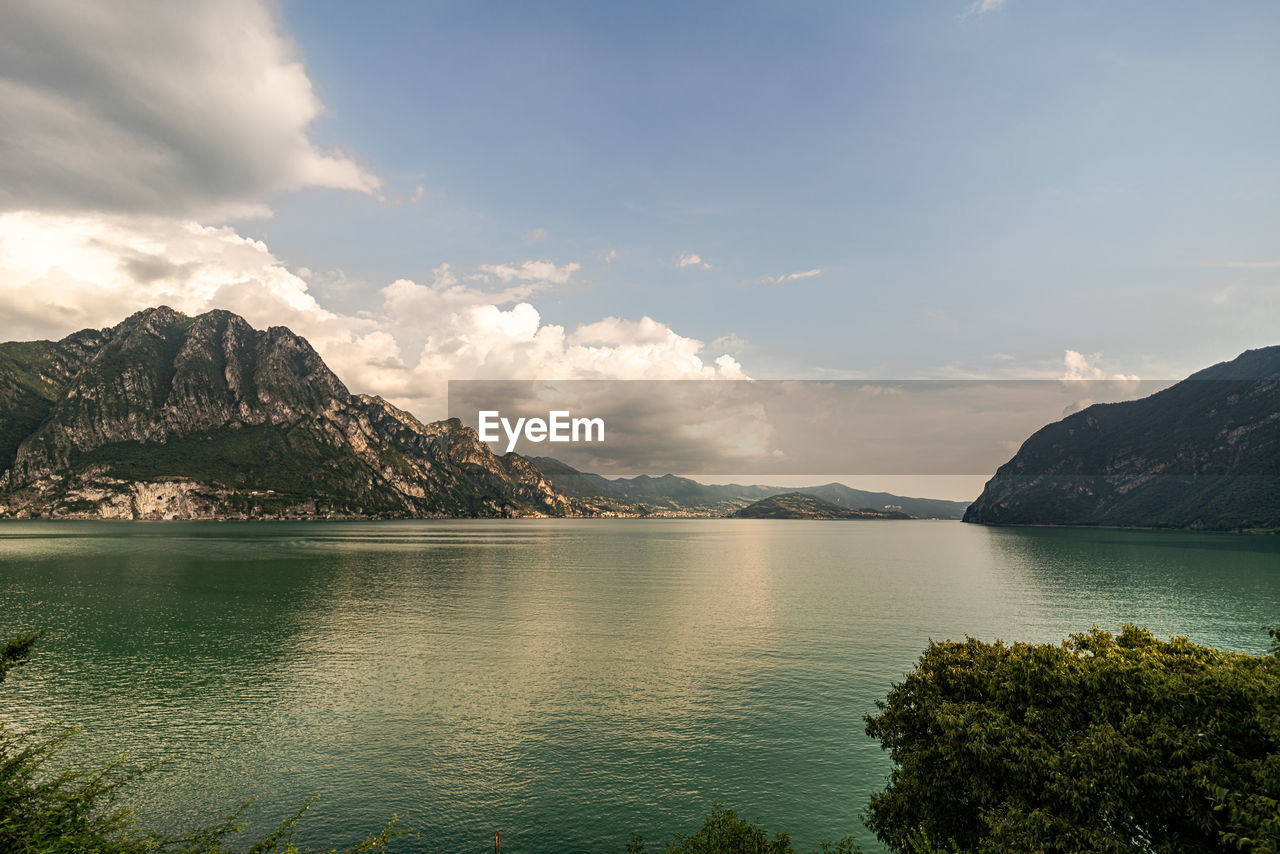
point(233, 414)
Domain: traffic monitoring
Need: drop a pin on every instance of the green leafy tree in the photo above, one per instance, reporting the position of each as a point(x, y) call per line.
point(16, 652)
point(1104, 743)
point(1253, 818)
point(726, 832)
point(52, 809)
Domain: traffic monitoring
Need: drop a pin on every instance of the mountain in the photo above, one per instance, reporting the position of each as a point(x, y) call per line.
point(647, 495)
point(672, 490)
point(1201, 454)
point(920, 508)
point(170, 416)
point(670, 494)
point(798, 505)
point(574, 483)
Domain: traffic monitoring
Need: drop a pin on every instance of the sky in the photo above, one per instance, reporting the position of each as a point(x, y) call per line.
point(435, 191)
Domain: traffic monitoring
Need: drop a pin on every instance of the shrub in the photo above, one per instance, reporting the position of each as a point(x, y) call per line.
point(1101, 744)
point(726, 832)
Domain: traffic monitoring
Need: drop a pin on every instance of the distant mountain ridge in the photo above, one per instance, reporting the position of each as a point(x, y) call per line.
point(681, 495)
point(1201, 454)
point(170, 416)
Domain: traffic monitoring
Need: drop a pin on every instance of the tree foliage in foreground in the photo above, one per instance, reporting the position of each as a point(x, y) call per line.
point(1104, 743)
point(726, 832)
point(50, 808)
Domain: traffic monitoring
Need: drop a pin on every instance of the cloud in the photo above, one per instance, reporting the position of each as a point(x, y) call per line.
point(531, 271)
point(609, 256)
point(729, 342)
point(689, 259)
point(1098, 385)
point(791, 277)
point(410, 306)
point(1224, 295)
point(981, 7)
point(60, 272)
point(200, 108)
point(537, 235)
point(1078, 366)
point(488, 342)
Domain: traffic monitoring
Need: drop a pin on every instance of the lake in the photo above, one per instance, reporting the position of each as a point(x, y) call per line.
point(564, 681)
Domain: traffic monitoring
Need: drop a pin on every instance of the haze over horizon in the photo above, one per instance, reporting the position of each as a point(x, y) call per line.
point(427, 192)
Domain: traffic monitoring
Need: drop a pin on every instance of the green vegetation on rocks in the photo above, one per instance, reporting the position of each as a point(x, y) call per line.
point(798, 505)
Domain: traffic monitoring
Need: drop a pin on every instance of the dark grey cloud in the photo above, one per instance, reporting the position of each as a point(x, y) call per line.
point(195, 108)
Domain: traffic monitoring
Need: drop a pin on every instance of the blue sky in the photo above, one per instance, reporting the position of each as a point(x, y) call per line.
point(1041, 176)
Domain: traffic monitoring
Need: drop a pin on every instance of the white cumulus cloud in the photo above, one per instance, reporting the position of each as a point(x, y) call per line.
point(60, 272)
point(199, 108)
point(1100, 385)
point(1078, 366)
point(691, 259)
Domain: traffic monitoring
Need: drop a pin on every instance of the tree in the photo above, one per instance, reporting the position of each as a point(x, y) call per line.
point(1104, 743)
point(726, 832)
point(51, 810)
point(16, 652)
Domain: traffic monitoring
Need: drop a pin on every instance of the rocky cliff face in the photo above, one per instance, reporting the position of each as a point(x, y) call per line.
point(1202, 454)
point(176, 417)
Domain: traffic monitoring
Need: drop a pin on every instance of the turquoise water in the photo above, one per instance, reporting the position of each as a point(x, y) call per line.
point(564, 681)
